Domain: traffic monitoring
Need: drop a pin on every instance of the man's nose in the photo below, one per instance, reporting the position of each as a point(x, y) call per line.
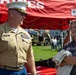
point(24, 17)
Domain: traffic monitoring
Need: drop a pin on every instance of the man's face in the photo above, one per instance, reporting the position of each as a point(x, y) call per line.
point(19, 17)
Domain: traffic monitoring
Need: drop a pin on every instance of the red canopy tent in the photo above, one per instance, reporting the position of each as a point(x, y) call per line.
point(50, 14)
point(3, 13)
point(45, 14)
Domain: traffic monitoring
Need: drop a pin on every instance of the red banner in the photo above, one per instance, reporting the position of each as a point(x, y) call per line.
point(44, 14)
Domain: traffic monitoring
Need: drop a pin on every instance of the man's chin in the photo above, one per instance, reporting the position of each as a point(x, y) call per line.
point(21, 23)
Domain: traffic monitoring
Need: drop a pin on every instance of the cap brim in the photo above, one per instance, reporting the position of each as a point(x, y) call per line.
point(20, 11)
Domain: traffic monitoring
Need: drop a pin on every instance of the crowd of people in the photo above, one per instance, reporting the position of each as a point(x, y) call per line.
point(55, 43)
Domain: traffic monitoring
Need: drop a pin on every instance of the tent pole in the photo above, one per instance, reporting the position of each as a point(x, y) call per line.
point(61, 39)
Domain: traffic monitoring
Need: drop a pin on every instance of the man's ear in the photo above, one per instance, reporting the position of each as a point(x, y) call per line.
point(12, 13)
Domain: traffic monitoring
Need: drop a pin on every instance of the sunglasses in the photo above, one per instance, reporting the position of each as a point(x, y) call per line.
point(22, 14)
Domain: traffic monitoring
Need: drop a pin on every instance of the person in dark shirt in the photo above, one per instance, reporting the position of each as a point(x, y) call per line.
point(71, 46)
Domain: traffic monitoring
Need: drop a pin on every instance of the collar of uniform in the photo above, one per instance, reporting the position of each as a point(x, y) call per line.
point(9, 29)
point(21, 30)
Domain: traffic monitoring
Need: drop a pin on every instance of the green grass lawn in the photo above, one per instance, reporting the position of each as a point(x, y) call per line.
point(43, 52)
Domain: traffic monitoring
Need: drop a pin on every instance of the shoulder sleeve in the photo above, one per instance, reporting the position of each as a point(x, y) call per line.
point(2, 29)
point(1, 33)
point(67, 45)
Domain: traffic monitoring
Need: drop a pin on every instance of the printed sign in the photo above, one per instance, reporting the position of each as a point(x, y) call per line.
point(31, 3)
point(73, 12)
